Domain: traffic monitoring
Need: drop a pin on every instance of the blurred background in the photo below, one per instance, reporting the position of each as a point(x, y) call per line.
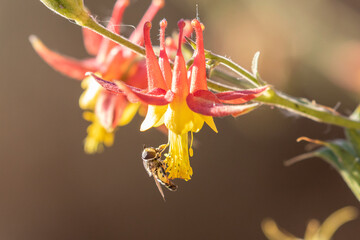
point(50, 189)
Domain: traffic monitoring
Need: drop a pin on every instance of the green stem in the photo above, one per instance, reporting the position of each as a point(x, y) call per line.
point(241, 83)
point(299, 106)
point(307, 109)
point(96, 27)
point(230, 64)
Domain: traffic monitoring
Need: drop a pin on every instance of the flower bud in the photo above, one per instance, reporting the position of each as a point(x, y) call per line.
point(70, 9)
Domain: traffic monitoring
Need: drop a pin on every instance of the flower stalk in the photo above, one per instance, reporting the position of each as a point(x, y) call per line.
point(98, 28)
point(234, 66)
point(70, 9)
point(307, 109)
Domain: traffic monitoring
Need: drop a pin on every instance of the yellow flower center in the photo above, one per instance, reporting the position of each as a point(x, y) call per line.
point(177, 161)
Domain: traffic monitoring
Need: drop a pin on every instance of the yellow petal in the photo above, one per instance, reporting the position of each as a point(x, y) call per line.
point(88, 97)
point(198, 122)
point(179, 118)
point(311, 232)
point(210, 122)
point(154, 117)
point(272, 231)
point(336, 220)
point(129, 113)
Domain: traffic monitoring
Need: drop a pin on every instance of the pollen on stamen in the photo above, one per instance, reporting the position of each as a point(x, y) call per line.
point(181, 25)
point(163, 23)
point(147, 25)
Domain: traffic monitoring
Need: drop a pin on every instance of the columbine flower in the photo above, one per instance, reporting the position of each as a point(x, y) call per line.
point(110, 61)
point(314, 230)
point(179, 98)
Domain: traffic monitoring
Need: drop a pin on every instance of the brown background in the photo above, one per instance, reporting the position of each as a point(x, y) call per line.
point(50, 189)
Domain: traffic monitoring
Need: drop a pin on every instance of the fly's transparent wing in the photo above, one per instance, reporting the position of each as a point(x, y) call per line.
point(159, 187)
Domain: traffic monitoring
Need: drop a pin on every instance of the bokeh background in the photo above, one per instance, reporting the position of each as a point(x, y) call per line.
point(50, 189)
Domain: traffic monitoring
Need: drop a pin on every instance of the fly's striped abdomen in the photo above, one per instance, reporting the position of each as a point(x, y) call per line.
point(163, 179)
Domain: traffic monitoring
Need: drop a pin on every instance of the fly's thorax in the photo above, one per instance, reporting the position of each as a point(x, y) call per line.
point(152, 165)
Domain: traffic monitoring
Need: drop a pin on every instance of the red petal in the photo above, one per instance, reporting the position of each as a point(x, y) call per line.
point(114, 26)
point(115, 63)
point(206, 104)
point(117, 14)
point(242, 96)
point(198, 72)
point(179, 83)
point(66, 65)
point(157, 96)
point(163, 57)
point(207, 95)
point(92, 41)
point(171, 43)
point(188, 30)
point(154, 74)
point(110, 86)
point(137, 35)
point(138, 78)
point(109, 109)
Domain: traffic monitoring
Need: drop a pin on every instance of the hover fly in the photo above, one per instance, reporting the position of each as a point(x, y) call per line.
point(155, 167)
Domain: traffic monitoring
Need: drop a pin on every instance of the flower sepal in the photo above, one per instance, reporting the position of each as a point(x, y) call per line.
point(207, 103)
point(241, 96)
point(156, 96)
point(66, 65)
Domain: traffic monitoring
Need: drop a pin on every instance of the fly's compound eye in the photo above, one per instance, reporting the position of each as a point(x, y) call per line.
point(148, 154)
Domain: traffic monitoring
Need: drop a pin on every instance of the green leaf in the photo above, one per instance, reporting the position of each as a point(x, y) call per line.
point(341, 155)
point(191, 42)
point(353, 135)
point(356, 114)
